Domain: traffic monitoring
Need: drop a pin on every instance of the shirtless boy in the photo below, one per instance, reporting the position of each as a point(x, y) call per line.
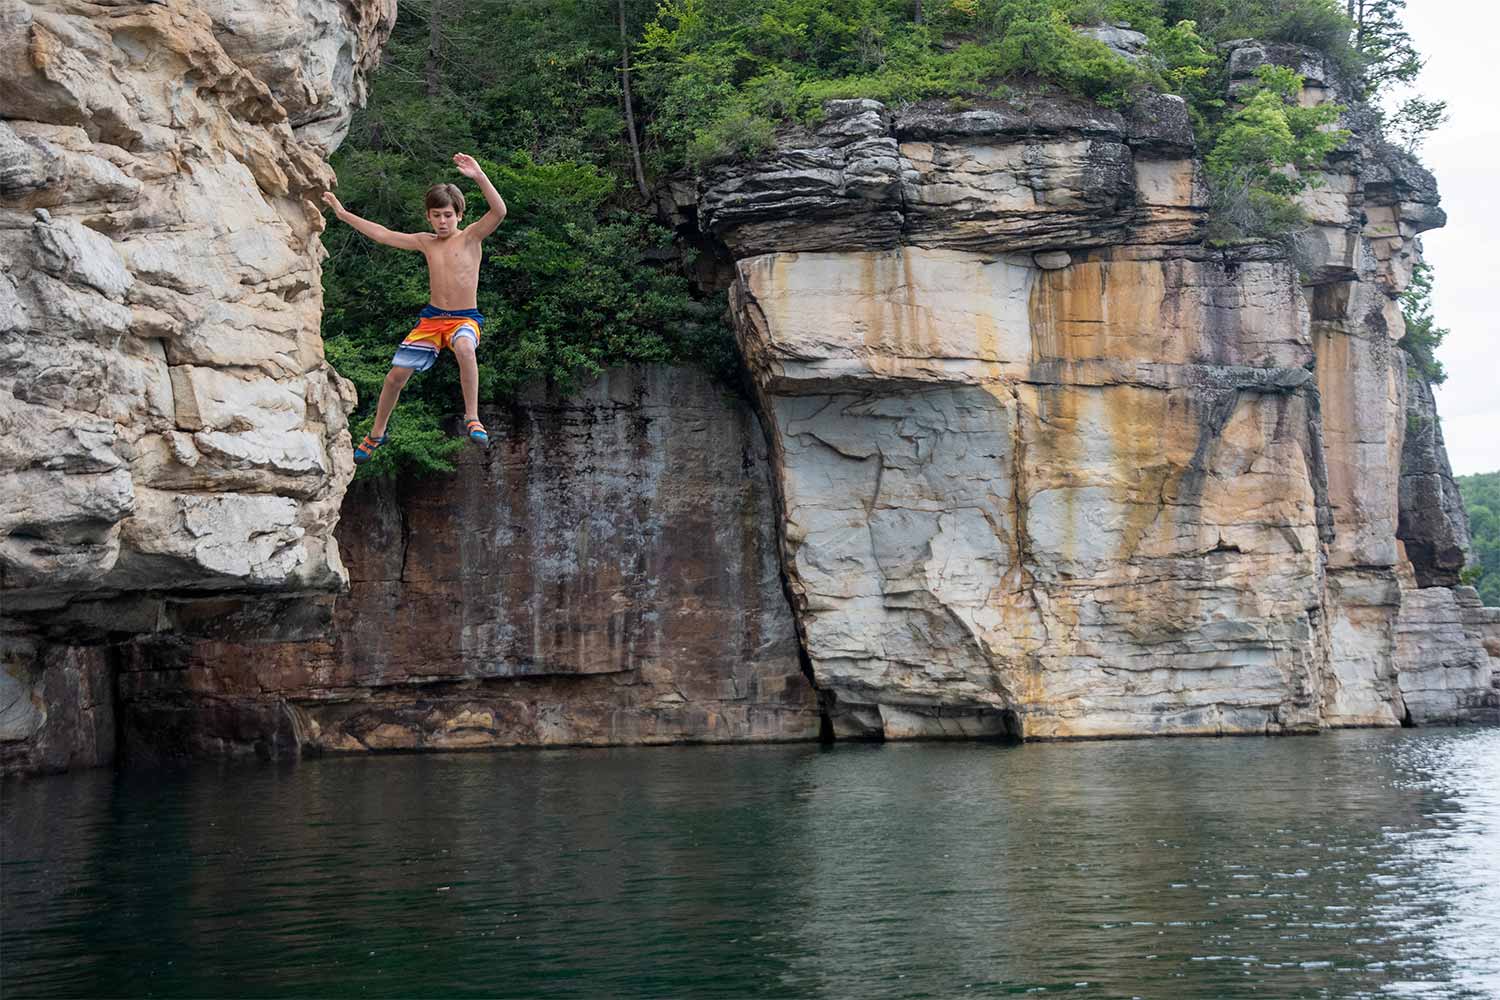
point(452, 318)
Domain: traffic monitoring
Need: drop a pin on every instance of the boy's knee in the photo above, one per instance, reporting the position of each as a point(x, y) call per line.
point(398, 376)
point(463, 347)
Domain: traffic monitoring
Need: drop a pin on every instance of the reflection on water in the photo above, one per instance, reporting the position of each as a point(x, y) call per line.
point(1348, 864)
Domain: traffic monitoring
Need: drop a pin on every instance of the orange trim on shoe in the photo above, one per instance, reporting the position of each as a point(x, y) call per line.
point(366, 448)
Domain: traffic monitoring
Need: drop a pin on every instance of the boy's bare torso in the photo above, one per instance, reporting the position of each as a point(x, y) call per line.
point(452, 269)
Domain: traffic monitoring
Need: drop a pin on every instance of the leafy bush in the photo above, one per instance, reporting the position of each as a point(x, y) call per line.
point(721, 71)
point(738, 135)
point(1256, 163)
point(570, 282)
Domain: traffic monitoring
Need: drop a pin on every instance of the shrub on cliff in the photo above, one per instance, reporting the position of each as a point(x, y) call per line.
point(571, 283)
point(723, 73)
point(1259, 155)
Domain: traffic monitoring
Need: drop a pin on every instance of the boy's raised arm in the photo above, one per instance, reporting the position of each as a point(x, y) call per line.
point(375, 231)
point(490, 221)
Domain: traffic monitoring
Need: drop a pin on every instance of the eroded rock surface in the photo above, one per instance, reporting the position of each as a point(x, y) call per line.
point(167, 421)
point(1433, 525)
point(1050, 467)
point(608, 573)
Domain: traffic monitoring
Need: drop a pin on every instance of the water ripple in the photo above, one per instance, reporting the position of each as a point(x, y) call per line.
point(1349, 864)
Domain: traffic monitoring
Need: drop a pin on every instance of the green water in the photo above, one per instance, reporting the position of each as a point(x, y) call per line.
point(1347, 864)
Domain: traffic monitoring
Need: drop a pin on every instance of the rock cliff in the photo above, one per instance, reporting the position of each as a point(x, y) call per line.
point(1048, 466)
point(1030, 460)
point(606, 574)
point(167, 422)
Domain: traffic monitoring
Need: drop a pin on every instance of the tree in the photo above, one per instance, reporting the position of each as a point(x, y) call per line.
point(1481, 495)
point(434, 42)
point(1423, 335)
point(625, 99)
point(1384, 45)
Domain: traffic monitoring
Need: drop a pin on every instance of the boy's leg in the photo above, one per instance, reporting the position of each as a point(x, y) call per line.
point(468, 375)
point(395, 381)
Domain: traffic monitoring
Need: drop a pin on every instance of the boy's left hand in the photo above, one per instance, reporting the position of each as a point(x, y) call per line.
point(468, 166)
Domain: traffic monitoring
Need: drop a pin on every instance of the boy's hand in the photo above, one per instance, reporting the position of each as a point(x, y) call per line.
point(333, 202)
point(468, 166)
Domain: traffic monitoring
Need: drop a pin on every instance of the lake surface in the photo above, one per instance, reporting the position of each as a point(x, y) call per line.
point(1347, 864)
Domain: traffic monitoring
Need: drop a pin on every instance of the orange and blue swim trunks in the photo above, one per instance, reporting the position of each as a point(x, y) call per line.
point(436, 329)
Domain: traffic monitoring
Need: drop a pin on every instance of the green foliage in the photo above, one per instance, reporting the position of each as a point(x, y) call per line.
point(1423, 336)
point(1384, 46)
point(570, 282)
point(1034, 38)
point(723, 73)
point(1189, 67)
point(1481, 495)
point(739, 135)
point(573, 282)
point(1321, 24)
point(1256, 165)
point(1414, 120)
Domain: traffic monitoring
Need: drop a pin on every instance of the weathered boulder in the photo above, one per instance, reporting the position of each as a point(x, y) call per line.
point(1121, 39)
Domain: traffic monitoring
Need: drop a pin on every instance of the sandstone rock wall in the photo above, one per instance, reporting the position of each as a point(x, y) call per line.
point(1048, 465)
point(1037, 461)
point(606, 574)
point(167, 421)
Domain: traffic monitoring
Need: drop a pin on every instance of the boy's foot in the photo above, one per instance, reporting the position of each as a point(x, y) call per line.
point(367, 448)
point(477, 433)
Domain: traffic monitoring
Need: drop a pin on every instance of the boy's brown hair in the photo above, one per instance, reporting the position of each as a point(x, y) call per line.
point(446, 196)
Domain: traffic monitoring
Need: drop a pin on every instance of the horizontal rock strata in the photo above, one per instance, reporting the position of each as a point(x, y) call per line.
point(1051, 467)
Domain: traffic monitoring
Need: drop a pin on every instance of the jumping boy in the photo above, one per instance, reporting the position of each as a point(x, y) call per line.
point(452, 318)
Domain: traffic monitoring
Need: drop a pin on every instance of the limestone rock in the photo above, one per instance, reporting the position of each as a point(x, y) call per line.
point(1034, 172)
point(168, 420)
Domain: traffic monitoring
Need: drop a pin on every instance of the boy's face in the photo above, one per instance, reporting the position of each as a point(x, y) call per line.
point(444, 220)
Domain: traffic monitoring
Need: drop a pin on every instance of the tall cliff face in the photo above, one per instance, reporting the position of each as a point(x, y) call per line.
point(1048, 465)
point(607, 573)
point(1037, 462)
point(167, 421)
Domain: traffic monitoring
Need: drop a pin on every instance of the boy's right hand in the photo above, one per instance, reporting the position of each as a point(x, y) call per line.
point(333, 202)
